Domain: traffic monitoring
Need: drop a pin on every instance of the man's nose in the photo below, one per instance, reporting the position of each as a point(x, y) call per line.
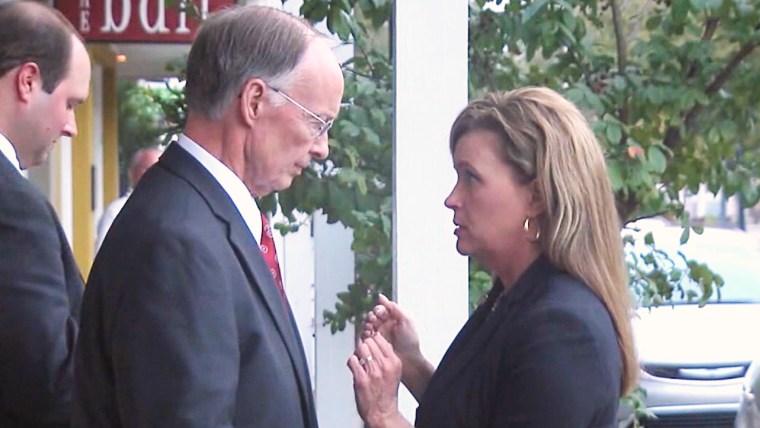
point(70, 129)
point(320, 148)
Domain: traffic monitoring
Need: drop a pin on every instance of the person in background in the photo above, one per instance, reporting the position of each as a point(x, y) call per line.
point(44, 75)
point(551, 345)
point(140, 162)
point(185, 322)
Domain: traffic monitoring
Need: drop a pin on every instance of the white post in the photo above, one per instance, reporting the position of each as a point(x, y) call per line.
point(430, 277)
point(334, 270)
point(97, 144)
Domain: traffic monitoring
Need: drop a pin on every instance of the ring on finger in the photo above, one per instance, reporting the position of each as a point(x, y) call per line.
point(365, 361)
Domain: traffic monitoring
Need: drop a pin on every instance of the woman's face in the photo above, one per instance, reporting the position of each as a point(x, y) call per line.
point(489, 204)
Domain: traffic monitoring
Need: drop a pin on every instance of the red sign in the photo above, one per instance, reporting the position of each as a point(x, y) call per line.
point(138, 20)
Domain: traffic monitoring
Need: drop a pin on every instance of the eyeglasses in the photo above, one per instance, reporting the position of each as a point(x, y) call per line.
point(324, 125)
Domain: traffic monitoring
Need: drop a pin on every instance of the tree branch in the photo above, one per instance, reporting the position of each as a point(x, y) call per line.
point(636, 22)
point(622, 58)
point(710, 26)
point(721, 78)
point(619, 39)
point(673, 135)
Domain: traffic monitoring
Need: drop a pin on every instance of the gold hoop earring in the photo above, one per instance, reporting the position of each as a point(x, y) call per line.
point(526, 228)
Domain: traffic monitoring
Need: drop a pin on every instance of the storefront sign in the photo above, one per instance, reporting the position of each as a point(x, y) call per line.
point(139, 21)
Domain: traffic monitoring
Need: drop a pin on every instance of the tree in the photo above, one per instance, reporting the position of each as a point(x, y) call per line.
point(140, 122)
point(669, 85)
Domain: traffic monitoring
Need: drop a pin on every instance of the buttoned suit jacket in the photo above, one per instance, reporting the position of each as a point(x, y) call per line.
point(182, 324)
point(40, 298)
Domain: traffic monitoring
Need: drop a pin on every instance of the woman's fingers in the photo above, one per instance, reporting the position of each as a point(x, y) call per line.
point(356, 368)
point(390, 310)
point(383, 346)
point(380, 361)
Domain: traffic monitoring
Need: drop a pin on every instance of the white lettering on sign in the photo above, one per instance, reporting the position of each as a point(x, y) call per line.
point(182, 23)
point(84, 16)
point(84, 21)
point(110, 26)
point(204, 9)
point(160, 25)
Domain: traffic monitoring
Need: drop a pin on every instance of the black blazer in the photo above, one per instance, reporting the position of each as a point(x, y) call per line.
point(182, 324)
point(40, 296)
point(547, 356)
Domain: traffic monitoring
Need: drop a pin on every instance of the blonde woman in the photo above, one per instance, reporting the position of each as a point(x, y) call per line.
point(551, 346)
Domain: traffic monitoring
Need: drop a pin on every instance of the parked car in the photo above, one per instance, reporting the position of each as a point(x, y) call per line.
point(748, 415)
point(694, 359)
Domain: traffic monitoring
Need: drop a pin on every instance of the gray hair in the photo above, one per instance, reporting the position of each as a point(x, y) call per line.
point(237, 44)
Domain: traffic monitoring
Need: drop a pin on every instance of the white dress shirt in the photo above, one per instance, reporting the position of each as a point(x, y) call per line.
point(230, 182)
point(7, 149)
point(107, 218)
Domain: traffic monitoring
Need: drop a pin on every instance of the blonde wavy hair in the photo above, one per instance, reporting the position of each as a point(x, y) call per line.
point(546, 139)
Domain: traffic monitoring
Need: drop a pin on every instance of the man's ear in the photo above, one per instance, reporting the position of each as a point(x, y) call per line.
point(28, 77)
point(252, 98)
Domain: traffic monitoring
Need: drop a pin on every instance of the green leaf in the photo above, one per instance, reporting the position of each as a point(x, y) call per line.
point(336, 22)
point(613, 132)
point(684, 235)
point(614, 171)
point(657, 160)
point(649, 238)
point(679, 9)
point(533, 8)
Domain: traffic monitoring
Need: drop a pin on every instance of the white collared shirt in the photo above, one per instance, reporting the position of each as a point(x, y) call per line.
point(230, 182)
point(7, 149)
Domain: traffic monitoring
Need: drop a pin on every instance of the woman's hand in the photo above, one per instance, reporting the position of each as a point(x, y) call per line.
point(390, 321)
point(377, 373)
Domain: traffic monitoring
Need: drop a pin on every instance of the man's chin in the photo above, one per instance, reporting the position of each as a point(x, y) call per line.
point(38, 159)
point(283, 184)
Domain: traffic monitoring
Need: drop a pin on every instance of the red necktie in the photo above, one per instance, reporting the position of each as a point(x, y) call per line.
point(270, 256)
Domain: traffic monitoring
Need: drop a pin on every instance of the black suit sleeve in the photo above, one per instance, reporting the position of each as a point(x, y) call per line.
point(175, 350)
point(559, 375)
point(37, 329)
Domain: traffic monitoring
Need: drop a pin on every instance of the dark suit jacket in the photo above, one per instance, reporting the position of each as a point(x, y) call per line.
point(182, 324)
point(40, 296)
point(546, 357)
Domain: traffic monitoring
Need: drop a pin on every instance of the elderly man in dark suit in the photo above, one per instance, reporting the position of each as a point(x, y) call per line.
point(44, 74)
point(184, 321)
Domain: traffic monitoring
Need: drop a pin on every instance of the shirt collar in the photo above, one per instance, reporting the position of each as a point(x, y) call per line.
point(230, 182)
point(7, 149)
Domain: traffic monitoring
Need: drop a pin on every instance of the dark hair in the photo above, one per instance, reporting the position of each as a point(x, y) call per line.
point(236, 44)
point(34, 32)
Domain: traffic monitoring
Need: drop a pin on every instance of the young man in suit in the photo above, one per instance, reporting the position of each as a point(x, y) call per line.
point(44, 74)
point(184, 321)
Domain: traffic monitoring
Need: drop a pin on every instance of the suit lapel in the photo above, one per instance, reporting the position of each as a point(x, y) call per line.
point(183, 164)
